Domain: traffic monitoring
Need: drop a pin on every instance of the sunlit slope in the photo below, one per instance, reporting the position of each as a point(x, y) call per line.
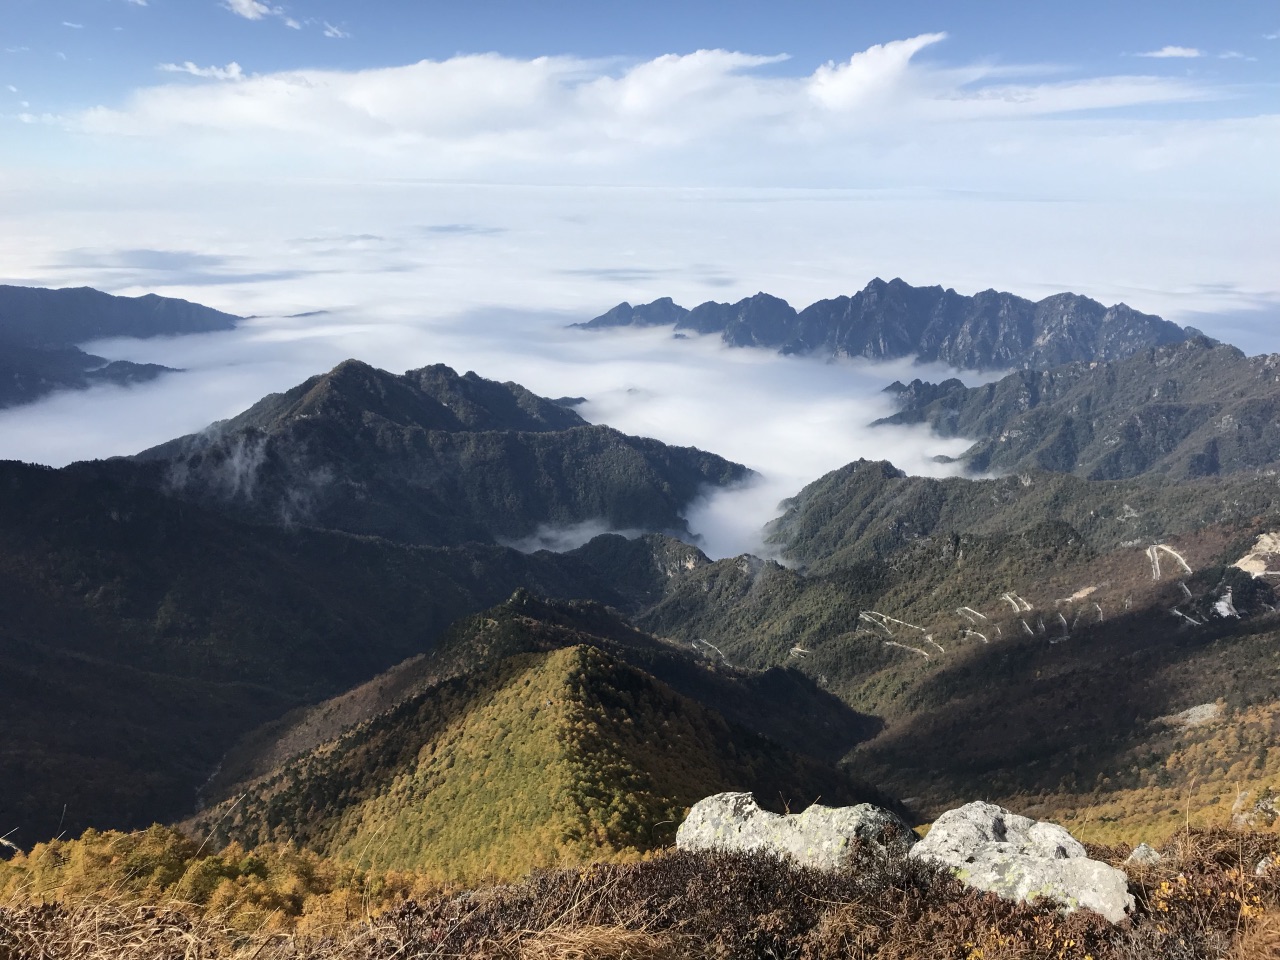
point(544, 758)
point(1210, 766)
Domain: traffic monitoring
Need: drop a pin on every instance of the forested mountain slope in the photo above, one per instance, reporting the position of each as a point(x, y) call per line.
point(431, 457)
point(542, 751)
point(1195, 409)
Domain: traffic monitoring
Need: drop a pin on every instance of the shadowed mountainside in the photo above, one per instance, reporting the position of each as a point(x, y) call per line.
point(156, 610)
point(39, 330)
point(141, 636)
point(431, 457)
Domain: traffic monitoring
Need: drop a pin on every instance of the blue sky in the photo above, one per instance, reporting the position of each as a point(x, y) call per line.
point(67, 54)
point(1124, 149)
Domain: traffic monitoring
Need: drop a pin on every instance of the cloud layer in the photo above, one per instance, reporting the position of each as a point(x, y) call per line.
point(711, 115)
point(790, 419)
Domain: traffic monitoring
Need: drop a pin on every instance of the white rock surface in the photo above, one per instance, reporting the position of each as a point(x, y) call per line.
point(819, 837)
point(1022, 859)
point(1145, 855)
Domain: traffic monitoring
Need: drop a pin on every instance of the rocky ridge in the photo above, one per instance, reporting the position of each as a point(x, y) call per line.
point(1187, 410)
point(884, 321)
point(430, 457)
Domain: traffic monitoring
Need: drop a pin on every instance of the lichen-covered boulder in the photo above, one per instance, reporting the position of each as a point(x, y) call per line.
point(819, 837)
point(1021, 859)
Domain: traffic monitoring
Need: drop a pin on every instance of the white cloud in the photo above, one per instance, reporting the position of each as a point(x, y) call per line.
point(251, 9)
point(336, 33)
point(1168, 52)
point(232, 71)
point(11, 88)
point(258, 10)
point(873, 72)
point(137, 3)
point(73, 26)
point(711, 113)
point(486, 277)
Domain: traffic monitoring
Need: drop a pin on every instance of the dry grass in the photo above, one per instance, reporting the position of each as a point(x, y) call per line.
point(1260, 940)
point(599, 943)
point(113, 931)
point(1203, 901)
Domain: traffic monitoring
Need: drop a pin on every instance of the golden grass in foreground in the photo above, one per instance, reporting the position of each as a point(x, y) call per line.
point(1206, 900)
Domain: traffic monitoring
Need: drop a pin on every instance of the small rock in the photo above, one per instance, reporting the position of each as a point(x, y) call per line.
point(1263, 814)
point(1144, 855)
point(1021, 859)
point(819, 837)
point(1196, 716)
point(1265, 866)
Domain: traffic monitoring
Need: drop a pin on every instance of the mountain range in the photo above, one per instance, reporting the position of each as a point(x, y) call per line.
point(1194, 409)
point(40, 330)
point(887, 321)
point(303, 623)
point(431, 457)
point(198, 594)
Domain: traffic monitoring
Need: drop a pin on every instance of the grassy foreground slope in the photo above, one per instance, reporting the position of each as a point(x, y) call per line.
point(541, 759)
point(1203, 901)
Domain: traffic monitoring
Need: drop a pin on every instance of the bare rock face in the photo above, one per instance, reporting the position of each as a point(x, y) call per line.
point(819, 837)
point(1021, 859)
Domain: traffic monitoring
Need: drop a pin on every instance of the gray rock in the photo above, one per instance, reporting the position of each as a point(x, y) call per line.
point(1144, 855)
point(1022, 859)
point(819, 837)
point(1265, 866)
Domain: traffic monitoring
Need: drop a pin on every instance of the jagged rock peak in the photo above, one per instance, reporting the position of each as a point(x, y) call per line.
point(892, 319)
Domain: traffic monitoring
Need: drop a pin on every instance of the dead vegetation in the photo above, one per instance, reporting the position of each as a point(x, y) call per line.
point(1205, 900)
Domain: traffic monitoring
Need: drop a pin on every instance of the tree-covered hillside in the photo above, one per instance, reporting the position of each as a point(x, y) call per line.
point(1194, 409)
point(430, 457)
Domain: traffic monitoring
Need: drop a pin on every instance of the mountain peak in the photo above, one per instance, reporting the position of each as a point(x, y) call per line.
point(889, 320)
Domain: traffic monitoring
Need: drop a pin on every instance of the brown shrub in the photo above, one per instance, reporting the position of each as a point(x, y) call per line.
point(1204, 901)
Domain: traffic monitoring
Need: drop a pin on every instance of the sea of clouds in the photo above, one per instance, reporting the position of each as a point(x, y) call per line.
point(466, 211)
point(488, 278)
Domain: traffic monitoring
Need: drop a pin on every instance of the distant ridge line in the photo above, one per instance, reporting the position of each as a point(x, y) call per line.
point(893, 320)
